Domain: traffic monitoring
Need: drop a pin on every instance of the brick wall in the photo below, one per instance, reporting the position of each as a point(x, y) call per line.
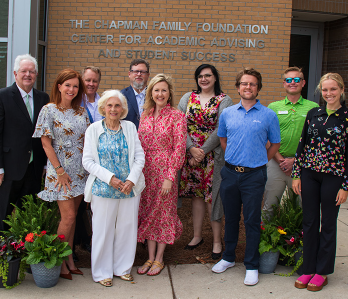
point(329, 6)
point(335, 56)
point(270, 60)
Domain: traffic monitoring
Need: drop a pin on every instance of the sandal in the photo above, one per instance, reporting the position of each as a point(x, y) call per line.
point(156, 265)
point(107, 282)
point(145, 268)
point(317, 283)
point(302, 281)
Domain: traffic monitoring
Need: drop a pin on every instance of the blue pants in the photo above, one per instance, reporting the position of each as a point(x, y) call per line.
point(236, 189)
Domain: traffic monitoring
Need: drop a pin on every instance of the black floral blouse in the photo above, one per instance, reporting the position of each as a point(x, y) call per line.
point(323, 144)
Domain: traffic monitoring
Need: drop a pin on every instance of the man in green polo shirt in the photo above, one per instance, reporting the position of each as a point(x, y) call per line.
point(291, 112)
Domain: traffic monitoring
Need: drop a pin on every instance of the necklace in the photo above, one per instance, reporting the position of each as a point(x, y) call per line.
point(112, 132)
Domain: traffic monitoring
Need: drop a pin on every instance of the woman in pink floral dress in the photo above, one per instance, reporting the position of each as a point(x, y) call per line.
point(162, 133)
point(200, 176)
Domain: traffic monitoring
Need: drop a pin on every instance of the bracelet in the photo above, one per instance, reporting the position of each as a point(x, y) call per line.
point(190, 147)
point(61, 173)
point(59, 166)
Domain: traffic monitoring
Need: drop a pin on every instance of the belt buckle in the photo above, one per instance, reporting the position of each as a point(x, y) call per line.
point(239, 168)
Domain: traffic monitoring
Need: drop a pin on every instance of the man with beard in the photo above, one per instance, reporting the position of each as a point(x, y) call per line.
point(139, 72)
point(291, 112)
point(244, 130)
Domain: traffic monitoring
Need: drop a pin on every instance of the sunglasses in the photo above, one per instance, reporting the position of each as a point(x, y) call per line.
point(296, 80)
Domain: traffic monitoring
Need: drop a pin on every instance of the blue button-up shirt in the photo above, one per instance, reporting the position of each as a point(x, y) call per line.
point(247, 133)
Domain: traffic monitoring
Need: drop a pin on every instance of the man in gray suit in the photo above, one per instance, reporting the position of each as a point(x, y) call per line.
point(22, 158)
point(139, 72)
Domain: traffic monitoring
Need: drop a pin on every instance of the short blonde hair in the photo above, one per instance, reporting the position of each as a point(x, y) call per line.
point(149, 102)
point(115, 93)
point(333, 76)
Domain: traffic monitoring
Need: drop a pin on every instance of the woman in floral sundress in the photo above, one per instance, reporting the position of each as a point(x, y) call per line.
point(61, 125)
point(200, 177)
point(162, 133)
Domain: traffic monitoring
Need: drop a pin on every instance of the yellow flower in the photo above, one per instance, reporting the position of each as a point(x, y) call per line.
point(282, 232)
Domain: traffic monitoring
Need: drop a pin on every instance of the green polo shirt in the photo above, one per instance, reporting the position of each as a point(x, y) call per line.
point(291, 119)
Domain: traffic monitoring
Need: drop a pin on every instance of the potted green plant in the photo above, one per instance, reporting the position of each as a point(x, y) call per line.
point(45, 255)
point(11, 252)
point(270, 245)
point(35, 215)
point(288, 217)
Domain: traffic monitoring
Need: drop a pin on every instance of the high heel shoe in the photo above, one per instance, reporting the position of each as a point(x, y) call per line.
point(66, 276)
point(77, 271)
point(214, 255)
point(191, 247)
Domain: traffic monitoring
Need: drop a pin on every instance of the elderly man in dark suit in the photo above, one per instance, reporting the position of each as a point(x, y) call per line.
point(139, 72)
point(22, 158)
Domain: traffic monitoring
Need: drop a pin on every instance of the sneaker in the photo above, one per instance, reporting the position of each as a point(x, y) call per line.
point(251, 277)
point(222, 266)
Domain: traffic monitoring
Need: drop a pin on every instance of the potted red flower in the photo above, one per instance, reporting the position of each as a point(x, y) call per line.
point(45, 255)
point(11, 252)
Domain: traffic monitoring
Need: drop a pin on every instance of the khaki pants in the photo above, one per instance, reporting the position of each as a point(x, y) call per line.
point(277, 181)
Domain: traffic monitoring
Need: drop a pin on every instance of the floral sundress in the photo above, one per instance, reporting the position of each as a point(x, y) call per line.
point(197, 181)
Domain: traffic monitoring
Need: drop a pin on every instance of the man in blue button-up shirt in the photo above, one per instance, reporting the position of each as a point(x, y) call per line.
point(244, 130)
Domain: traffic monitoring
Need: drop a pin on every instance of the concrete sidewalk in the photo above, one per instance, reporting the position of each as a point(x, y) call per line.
point(197, 281)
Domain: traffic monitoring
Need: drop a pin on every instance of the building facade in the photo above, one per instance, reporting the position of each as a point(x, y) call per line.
point(176, 36)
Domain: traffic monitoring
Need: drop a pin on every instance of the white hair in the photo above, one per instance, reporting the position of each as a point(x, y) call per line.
point(20, 58)
point(114, 93)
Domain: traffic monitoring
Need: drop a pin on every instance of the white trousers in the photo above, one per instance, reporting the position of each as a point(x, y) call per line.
point(114, 239)
point(277, 180)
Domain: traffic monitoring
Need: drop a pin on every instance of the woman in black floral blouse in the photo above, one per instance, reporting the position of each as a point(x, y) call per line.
point(320, 175)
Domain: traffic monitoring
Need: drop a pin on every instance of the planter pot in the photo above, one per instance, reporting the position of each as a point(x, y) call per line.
point(297, 257)
point(268, 262)
point(283, 260)
point(12, 276)
point(43, 277)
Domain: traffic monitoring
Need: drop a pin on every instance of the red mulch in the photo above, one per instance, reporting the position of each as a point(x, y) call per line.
point(175, 254)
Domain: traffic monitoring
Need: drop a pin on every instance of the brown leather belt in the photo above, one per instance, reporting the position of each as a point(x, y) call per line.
point(242, 168)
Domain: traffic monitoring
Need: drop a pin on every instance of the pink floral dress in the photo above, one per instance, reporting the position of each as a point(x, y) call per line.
point(197, 181)
point(164, 143)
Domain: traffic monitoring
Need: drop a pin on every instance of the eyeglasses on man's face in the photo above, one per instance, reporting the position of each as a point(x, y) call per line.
point(296, 80)
point(245, 84)
point(139, 72)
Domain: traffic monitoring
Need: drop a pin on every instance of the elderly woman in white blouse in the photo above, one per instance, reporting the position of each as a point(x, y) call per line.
point(114, 158)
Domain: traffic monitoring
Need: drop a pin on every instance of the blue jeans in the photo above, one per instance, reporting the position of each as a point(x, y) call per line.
point(245, 189)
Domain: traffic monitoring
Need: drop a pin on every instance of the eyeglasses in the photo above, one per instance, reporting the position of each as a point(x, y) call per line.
point(296, 80)
point(206, 76)
point(245, 84)
point(138, 72)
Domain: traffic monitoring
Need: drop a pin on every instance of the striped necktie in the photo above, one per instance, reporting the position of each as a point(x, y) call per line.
point(27, 104)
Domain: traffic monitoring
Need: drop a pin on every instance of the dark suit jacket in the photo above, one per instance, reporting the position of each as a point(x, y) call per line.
point(133, 109)
point(16, 130)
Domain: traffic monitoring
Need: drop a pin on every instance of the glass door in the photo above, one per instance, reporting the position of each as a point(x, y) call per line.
point(306, 51)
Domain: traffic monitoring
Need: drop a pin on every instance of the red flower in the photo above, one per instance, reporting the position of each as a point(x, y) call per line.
point(43, 233)
point(292, 239)
point(279, 227)
point(29, 237)
point(61, 237)
point(262, 227)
